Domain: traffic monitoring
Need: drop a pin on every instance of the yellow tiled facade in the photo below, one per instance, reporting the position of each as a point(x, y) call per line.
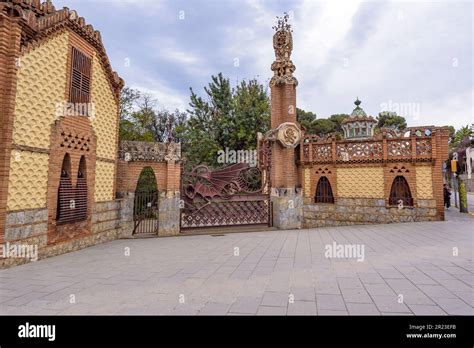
point(307, 182)
point(424, 182)
point(360, 182)
point(106, 112)
point(28, 183)
point(104, 181)
point(40, 91)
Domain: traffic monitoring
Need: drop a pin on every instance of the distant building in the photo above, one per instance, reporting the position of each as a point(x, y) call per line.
point(358, 125)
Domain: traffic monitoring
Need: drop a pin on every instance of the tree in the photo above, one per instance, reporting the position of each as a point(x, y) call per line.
point(305, 118)
point(337, 120)
point(389, 119)
point(226, 118)
point(461, 139)
point(141, 121)
point(452, 131)
point(322, 126)
point(252, 114)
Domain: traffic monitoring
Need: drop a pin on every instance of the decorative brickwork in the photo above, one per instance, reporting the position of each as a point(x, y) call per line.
point(83, 144)
point(405, 169)
point(10, 39)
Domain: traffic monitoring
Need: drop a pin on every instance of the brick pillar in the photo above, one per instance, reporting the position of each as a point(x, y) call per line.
point(10, 36)
point(170, 213)
point(440, 154)
point(286, 191)
point(284, 171)
point(286, 195)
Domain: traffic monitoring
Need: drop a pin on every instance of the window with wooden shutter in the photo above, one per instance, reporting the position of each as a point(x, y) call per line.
point(400, 192)
point(72, 201)
point(80, 78)
point(324, 191)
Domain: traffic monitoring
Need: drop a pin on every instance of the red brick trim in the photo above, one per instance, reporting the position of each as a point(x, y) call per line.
point(76, 126)
point(10, 40)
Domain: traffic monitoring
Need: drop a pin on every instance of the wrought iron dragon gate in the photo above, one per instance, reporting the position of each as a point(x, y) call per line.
point(237, 194)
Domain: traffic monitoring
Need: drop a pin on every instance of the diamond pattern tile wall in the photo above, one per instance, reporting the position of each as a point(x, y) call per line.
point(105, 122)
point(360, 182)
point(41, 89)
point(28, 183)
point(104, 181)
point(424, 182)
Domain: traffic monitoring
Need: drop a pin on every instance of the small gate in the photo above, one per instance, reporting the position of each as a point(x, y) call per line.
point(146, 204)
point(237, 194)
point(145, 212)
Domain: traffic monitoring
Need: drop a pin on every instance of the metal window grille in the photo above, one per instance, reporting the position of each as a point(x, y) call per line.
point(72, 202)
point(400, 191)
point(324, 191)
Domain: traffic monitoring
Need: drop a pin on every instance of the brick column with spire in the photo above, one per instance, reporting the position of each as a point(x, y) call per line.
point(286, 198)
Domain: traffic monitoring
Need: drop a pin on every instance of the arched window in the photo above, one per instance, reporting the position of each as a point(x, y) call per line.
point(81, 191)
point(72, 202)
point(324, 191)
point(400, 192)
point(65, 191)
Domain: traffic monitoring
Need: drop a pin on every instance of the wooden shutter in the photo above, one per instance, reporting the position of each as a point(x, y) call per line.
point(400, 191)
point(80, 77)
point(324, 191)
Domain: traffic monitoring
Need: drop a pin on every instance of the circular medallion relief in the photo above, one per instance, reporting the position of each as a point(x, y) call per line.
point(289, 134)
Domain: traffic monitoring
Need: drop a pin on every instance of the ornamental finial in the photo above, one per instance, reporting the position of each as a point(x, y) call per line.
point(283, 67)
point(282, 23)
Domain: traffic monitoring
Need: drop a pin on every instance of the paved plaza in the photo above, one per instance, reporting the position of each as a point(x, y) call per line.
point(407, 269)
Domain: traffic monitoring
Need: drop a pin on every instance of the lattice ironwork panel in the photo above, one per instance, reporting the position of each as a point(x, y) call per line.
point(225, 213)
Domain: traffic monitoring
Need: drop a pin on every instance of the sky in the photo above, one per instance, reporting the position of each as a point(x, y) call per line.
point(411, 57)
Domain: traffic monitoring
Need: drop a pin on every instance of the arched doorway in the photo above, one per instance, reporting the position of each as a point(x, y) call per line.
point(324, 191)
point(146, 204)
point(400, 192)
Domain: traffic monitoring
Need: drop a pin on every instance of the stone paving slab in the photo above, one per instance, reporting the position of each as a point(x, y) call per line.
point(408, 269)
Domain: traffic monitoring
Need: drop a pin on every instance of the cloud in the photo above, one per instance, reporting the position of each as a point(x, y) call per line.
point(415, 53)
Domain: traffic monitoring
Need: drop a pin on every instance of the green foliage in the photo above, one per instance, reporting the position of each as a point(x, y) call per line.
point(226, 118)
point(390, 119)
point(322, 126)
point(462, 137)
point(140, 120)
point(337, 120)
point(305, 118)
point(452, 131)
point(147, 180)
point(462, 196)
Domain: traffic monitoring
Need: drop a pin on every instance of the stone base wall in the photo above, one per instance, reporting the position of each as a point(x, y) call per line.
point(29, 227)
point(358, 211)
point(168, 218)
point(287, 208)
point(170, 214)
point(26, 224)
